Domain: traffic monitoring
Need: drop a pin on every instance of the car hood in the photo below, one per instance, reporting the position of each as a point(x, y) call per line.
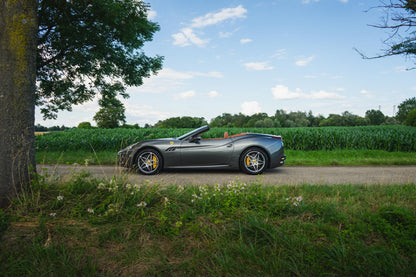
point(128, 148)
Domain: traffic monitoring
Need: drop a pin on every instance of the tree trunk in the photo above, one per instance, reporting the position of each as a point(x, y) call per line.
point(18, 33)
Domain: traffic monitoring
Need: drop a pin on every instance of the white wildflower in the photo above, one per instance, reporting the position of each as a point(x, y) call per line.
point(90, 210)
point(141, 204)
point(101, 186)
point(60, 197)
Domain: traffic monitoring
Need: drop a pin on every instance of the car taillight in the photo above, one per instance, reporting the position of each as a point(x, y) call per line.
point(278, 137)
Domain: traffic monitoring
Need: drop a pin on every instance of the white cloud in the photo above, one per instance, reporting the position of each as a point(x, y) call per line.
point(187, 35)
point(258, 66)
point(213, 94)
point(185, 95)
point(400, 69)
point(280, 54)
point(213, 74)
point(169, 73)
point(281, 92)
point(225, 35)
point(215, 18)
point(168, 79)
point(250, 108)
point(145, 113)
point(180, 39)
point(245, 40)
point(305, 61)
point(151, 14)
point(344, 1)
point(323, 95)
point(366, 92)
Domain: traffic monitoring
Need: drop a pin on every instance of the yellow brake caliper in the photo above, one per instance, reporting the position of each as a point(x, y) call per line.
point(248, 161)
point(154, 161)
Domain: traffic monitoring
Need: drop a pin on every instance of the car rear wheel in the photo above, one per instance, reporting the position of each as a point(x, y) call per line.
point(149, 162)
point(254, 161)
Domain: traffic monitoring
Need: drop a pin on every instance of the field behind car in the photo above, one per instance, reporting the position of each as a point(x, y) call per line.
point(369, 145)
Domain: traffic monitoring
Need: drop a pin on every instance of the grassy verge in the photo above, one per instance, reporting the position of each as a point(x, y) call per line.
point(337, 157)
point(350, 157)
point(89, 227)
point(79, 157)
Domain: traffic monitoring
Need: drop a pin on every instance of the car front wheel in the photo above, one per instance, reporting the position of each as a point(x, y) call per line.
point(149, 162)
point(254, 161)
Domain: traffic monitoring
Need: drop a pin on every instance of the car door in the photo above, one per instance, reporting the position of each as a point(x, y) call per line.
point(206, 152)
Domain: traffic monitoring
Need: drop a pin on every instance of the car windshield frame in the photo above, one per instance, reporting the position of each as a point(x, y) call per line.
point(195, 132)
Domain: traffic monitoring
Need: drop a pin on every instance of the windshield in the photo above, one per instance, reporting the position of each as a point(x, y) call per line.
point(200, 130)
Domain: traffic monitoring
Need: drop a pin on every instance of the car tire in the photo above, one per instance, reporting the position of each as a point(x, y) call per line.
point(148, 162)
point(254, 161)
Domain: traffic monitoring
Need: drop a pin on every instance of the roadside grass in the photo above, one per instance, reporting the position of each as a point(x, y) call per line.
point(88, 227)
point(294, 157)
point(79, 157)
point(350, 157)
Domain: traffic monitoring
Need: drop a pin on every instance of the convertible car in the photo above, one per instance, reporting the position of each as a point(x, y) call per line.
point(251, 153)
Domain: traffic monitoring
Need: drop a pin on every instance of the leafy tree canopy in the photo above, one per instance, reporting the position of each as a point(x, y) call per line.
point(375, 117)
point(84, 125)
point(411, 118)
point(111, 115)
point(404, 108)
point(90, 47)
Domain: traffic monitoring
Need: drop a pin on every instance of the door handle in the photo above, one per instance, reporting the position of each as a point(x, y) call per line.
point(229, 145)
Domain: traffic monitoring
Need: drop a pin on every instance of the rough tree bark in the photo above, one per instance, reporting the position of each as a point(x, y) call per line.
point(18, 32)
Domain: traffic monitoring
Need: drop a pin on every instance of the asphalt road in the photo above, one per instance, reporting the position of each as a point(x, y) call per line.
point(286, 175)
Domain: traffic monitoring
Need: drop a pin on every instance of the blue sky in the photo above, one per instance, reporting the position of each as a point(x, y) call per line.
point(259, 56)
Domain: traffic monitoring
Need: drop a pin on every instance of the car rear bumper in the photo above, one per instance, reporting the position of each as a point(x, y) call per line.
point(277, 159)
point(282, 160)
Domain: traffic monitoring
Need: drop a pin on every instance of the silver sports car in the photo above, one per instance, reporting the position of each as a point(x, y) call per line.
point(251, 153)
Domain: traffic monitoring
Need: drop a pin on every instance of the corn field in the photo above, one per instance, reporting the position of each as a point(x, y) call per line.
point(389, 138)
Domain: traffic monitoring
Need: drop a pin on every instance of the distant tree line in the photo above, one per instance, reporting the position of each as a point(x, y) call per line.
point(40, 128)
point(181, 122)
point(406, 115)
point(301, 119)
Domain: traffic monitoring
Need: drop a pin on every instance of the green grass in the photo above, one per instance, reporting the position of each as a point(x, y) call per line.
point(294, 157)
point(350, 157)
point(79, 157)
point(88, 227)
